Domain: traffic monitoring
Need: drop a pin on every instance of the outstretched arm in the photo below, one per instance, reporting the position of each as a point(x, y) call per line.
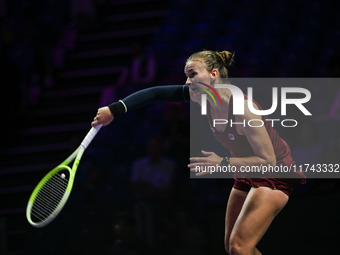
point(170, 93)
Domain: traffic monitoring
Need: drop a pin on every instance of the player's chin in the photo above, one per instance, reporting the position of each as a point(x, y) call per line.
point(196, 95)
point(194, 89)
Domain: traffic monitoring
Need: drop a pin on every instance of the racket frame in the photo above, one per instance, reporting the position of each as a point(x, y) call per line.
point(76, 156)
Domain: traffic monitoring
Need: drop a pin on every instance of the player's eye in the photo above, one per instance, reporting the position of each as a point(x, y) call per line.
point(192, 75)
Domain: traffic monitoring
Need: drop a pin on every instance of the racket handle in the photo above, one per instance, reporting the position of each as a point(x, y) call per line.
point(90, 135)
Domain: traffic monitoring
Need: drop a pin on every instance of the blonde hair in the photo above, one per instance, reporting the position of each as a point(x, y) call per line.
point(214, 60)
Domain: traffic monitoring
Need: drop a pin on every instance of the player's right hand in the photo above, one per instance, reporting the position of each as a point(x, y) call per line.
point(104, 116)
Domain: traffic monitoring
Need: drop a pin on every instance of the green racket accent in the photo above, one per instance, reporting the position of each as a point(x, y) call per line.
point(52, 192)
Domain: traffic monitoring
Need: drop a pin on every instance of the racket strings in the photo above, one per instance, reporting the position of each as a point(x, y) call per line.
point(49, 197)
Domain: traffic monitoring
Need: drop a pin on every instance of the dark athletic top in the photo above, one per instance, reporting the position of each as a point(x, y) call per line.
point(239, 145)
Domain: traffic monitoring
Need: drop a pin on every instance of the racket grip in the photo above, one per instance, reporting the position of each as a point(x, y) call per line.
point(90, 135)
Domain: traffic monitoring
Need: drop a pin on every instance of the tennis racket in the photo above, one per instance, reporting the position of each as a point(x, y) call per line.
point(51, 194)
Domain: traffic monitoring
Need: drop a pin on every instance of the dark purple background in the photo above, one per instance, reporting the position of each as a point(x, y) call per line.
point(61, 60)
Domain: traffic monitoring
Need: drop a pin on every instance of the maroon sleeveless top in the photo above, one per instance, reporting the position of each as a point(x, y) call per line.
point(240, 147)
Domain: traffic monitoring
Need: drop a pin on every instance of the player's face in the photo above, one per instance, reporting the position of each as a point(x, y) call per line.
point(196, 71)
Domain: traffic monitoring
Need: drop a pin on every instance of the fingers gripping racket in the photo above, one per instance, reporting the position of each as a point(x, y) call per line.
point(52, 192)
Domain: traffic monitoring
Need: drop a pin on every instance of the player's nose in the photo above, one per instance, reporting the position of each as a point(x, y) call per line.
point(188, 81)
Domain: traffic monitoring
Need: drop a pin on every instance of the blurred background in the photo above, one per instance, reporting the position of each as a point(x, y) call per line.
point(62, 59)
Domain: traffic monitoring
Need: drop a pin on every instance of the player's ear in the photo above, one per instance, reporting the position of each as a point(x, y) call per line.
point(214, 74)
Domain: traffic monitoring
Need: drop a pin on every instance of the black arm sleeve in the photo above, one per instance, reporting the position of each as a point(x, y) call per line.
point(170, 93)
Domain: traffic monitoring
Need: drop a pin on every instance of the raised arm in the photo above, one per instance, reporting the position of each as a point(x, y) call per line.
point(169, 93)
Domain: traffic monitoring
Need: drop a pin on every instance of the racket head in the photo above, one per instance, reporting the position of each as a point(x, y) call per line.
point(49, 196)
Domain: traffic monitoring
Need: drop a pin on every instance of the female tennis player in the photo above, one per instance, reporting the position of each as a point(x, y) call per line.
point(253, 203)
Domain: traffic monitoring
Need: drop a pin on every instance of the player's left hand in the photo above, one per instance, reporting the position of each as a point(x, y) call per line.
point(210, 159)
